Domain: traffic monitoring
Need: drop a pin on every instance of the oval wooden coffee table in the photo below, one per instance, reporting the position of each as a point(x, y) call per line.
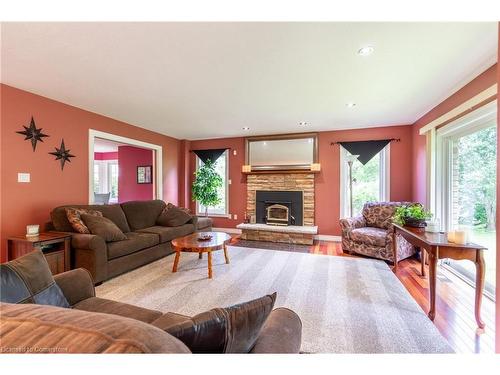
point(192, 244)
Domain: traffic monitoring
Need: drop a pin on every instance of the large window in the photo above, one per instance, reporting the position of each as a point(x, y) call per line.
point(370, 182)
point(222, 168)
point(466, 186)
point(106, 178)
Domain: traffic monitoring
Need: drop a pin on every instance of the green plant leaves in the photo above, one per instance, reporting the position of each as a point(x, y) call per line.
point(206, 184)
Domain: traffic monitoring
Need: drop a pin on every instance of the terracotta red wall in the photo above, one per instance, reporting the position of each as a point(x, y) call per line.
point(327, 182)
point(129, 158)
point(30, 203)
point(480, 83)
point(105, 155)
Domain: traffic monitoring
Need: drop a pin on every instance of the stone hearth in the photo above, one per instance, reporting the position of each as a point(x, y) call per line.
point(272, 233)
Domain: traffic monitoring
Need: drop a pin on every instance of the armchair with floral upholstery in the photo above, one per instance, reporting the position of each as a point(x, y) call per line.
point(370, 233)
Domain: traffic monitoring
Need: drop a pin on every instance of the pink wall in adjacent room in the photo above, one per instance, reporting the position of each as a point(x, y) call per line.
point(327, 196)
point(105, 155)
point(497, 299)
point(129, 158)
point(31, 203)
point(477, 85)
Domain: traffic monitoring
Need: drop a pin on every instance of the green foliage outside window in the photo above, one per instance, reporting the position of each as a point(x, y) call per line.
point(206, 186)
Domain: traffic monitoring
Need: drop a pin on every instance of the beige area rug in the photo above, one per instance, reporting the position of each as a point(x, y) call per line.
point(347, 305)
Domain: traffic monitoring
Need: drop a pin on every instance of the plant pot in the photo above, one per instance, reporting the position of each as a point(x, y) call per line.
point(415, 223)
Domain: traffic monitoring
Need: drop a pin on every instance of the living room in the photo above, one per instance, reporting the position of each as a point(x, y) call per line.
point(215, 187)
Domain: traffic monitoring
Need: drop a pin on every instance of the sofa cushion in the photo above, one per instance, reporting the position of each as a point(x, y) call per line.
point(28, 280)
point(74, 218)
point(370, 236)
point(173, 216)
point(113, 212)
point(135, 241)
point(142, 214)
point(233, 329)
point(108, 306)
point(56, 330)
point(204, 222)
point(169, 233)
point(103, 227)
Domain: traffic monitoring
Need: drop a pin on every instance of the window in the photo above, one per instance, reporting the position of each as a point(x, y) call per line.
point(465, 188)
point(106, 178)
point(222, 168)
point(370, 182)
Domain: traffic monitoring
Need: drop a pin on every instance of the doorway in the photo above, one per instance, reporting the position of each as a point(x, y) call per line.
point(123, 169)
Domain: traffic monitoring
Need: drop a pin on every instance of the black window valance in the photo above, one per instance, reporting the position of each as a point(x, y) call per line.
point(212, 154)
point(365, 149)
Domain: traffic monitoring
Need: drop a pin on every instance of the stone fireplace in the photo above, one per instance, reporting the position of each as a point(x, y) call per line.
point(283, 207)
point(282, 188)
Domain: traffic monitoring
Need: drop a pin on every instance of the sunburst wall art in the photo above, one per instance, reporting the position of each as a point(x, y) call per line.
point(62, 154)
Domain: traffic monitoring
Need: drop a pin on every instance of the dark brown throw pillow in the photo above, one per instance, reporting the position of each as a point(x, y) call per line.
point(74, 218)
point(103, 227)
point(173, 217)
point(28, 280)
point(233, 329)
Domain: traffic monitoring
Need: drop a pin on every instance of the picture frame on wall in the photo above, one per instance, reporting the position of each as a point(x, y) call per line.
point(144, 173)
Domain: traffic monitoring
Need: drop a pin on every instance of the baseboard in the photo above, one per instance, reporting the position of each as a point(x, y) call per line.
point(326, 237)
point(227, 230)
point(320, 237)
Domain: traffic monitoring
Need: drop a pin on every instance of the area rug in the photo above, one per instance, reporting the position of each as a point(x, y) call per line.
point(347, 305)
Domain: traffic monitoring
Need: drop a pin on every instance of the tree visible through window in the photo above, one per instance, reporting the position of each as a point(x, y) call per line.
point(221, 166)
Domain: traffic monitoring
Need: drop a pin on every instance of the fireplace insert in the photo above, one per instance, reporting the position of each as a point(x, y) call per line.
point(279, 207)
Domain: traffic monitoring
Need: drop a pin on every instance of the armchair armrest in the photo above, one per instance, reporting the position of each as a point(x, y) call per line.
point(281, 333)
point(76, 285)
point(351, 223)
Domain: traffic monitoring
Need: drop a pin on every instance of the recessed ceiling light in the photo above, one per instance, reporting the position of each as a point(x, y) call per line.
point(350, 105)
point(303, 123)
point(246, 128)
point(365, 51)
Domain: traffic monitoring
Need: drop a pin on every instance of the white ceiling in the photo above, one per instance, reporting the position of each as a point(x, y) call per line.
point(209, 80)
point(104, 145)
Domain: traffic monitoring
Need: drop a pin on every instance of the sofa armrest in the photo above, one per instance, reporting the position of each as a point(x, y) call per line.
point(76, 285)
point(90, 252)
point(281, 333)
point(351, 223)
point(194, 221)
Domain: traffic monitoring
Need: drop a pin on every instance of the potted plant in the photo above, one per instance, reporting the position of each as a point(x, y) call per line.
point(411, 215)
point(206, 185)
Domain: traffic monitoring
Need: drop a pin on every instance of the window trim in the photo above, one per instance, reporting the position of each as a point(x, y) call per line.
point(384, 178)
point(441, 194)
point(227, 181)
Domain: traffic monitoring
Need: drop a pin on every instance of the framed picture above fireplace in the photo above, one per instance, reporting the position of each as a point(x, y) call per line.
point(285, 152)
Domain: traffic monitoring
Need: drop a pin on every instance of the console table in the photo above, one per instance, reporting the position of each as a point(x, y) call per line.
point(437, 247)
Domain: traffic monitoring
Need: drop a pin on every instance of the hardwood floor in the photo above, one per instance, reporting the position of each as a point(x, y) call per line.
point(454, 302)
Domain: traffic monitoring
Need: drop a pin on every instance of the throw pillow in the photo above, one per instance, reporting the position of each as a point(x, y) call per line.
point(28, 279)
point(173, 216)
point(74, 218)
point(103, 227)
point(233, 329)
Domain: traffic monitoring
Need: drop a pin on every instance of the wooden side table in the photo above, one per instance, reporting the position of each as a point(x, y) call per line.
point(437, 247)
point(54, 245)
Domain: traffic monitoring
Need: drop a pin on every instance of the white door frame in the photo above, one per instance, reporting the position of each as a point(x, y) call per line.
point(157, 160)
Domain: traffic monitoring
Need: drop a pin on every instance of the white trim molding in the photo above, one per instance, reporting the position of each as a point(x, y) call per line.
point(157, 160)
point(457, 111)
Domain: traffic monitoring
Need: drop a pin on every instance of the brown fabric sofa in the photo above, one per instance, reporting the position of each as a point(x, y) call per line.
point(145, 243)
point(96, 325)
point(370, 233)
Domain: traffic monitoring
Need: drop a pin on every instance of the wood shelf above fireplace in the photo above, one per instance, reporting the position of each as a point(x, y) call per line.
point(275, 171)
